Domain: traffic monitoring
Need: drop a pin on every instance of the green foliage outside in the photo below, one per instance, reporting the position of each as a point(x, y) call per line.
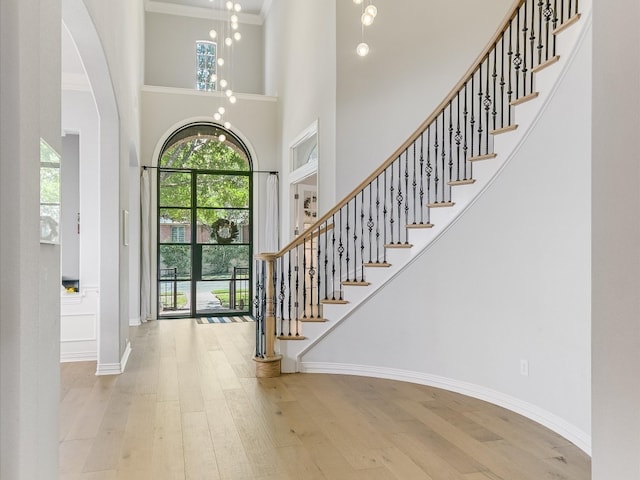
point(220, 195)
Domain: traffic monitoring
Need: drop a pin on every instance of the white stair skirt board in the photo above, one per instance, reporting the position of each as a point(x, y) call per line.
point(581, 439)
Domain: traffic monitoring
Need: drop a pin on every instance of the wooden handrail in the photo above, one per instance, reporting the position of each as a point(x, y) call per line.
point(416, 134)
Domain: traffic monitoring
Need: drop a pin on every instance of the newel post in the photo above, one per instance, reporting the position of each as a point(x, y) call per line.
point(267, 361)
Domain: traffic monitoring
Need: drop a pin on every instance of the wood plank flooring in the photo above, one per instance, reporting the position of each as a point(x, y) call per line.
point(190, 408)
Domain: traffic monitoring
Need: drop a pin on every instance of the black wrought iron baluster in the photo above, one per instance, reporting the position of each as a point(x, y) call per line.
point(362, 231)
point(436, 177)
point(450, 162)
point(391, 219)
point(296, 303)
point(540, 18)
point(406, 195)
point(517, 59)
point(443, 157)
point(355, 238)
point(318, 276)
point(340, 254)
point(465, 146)
point(458, 136)
point(494, 76)
point(377, 218)
point(486, 102)
point(532, 39)
point(384, 220)
point(429, 172)
point(399, 197)
point(422, 178)
point(312, 273)
point(333, 258)
point(577, 8)
point(472, 122)
point(289, 289)
point(304, 277)
point(511, 63)
point(525, 29)
point(370, 225)
point(480, 102)
point(414, 183)
point(281, 295)
point(347, 238)
point(548, 14)
point(258, 311)
point(561, 12)
point(555, 24)
point(502, 80)
point(326, 261)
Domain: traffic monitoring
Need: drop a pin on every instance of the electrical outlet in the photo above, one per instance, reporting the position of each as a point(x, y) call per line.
point(524, 368)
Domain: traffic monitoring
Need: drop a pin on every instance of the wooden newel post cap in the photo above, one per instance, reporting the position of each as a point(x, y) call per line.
point(267, 257)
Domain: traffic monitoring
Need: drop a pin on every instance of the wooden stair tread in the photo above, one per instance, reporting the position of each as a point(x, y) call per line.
point(546, 64)
point(334, 302)
point(526, 98)
point(566, 24)
point(353, 283)
point(486, 156)
point(291, 337)
point(456, 183)
point(398, 245)
point(508, 128)
point(377, 264)
point(312, 320)
point(440, 204)
point(420, 225)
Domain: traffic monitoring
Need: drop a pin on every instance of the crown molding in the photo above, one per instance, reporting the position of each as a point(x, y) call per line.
point(154, 6)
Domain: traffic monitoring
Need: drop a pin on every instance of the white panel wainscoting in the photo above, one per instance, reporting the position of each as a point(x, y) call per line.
point(79, 325)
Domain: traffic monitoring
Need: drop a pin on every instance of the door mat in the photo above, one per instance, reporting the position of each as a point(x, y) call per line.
point(234, 319)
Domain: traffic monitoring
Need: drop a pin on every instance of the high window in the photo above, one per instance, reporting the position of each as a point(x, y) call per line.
point(206, 65)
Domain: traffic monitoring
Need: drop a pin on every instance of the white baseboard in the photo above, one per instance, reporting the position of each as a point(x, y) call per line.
point(135, 322)
point(560, 426)
point(78, 357)
point(115, 368)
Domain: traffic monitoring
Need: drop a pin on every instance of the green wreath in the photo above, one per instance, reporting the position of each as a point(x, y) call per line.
point(224, 231)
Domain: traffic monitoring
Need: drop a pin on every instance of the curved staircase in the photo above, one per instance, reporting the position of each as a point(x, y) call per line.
point(314, 283)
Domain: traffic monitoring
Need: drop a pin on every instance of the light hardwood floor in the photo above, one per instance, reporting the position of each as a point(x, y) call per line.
point(190, 407)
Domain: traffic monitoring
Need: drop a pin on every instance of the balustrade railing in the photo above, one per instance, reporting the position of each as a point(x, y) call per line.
point(293, 284)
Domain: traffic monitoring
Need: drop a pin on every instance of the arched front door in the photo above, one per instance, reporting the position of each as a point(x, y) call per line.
point(204, 224)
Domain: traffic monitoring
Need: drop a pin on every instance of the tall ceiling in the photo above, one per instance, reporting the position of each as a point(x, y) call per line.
point(248, 6)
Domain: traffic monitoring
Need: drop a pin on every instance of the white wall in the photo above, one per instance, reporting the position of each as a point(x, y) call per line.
point(300, 70)
point(170, 56)
point(509, 281)
point(419, 50)
point(29, 296)
point(616, 241)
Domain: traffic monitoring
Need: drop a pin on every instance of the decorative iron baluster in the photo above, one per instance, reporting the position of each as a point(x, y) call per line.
point(333, 259)
point(312, 274)
point(540, 18)
point(340, 254)
point(281, 295)
point(450, 129)
point(422, 178)
point(548, 14)
point(370, 224)
point(304, 278)
point(377, 217)
point(391, 219)
point(347, 259)
point(555, 24)
point(429, 171)
point(465, 146)
point(472, 122)
point(326, 261)
point(502, 81)
point(443, 158)
point(511, 62)
point(399, 197)
point(480, 96)
point(296, 303)
point(577, 9)
point(259, 303)
point(494, 111)
point(414, 183)
point(532, 39)
point(384, 219)
point(290, 301)
point(458, 138)
point(436, 178)
point(362, 230)
point(406, 195)
point(318, 276)
point(517, 60)
point(525, 29)
point(487, 105)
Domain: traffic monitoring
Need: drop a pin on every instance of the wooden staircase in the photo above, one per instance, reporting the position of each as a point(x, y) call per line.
point(314, 283)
